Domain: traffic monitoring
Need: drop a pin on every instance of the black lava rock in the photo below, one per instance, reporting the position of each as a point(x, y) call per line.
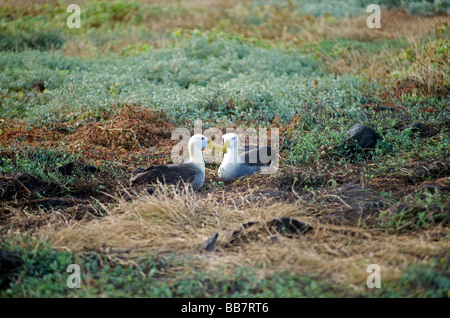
point(91, 169)
point(287, 226)
point(361, 136)
point(252, 231)
point(67, 169)
point(210, 244)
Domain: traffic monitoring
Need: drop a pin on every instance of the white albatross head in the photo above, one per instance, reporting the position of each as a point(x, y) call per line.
point(230, 141)
point(196, 144)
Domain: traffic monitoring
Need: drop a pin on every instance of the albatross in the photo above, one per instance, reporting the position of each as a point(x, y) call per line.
point(191, 171)
point(237, 163)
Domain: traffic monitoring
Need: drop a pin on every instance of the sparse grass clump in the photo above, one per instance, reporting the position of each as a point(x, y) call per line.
point(40, 271)
point(419, 210)
point(419, 280)
point(47, 166)
point(27, 172)
point(42, 41)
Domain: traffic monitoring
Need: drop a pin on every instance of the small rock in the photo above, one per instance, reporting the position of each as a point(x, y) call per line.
point(210, 244)
point(241, 234)
point(288, 226)
point(252, 231)
point(91, 169)
point(67, 169)
point(364, 137)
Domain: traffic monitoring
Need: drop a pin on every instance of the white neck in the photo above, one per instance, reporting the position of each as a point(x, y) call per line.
point(196, 157)
point(231, 156)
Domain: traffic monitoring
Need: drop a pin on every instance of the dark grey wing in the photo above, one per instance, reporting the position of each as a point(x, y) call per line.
point(247, 147)
point(261, 156)
point(138, 170)
point(169, 174)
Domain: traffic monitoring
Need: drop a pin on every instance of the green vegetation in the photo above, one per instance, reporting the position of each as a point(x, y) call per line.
point(40, 271)
point(192, 73)
point(357, 7)
point(59, 173)
point(246, 83)
point(417, 211)
point(105, 98)
point(424, 280)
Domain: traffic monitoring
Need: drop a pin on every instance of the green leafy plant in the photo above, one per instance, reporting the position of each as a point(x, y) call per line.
point(420, 210)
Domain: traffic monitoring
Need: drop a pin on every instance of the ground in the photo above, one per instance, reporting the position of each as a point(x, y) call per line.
point(81, 109)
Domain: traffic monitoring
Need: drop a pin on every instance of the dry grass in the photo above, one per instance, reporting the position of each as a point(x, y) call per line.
point(125, 130)
point(428, 71)
point(172, 220)
point(180, 222)
point(395, 24)
point(379, 66)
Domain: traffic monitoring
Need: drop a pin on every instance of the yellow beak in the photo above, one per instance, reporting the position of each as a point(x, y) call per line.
point(213, 145)
point(226, 145)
